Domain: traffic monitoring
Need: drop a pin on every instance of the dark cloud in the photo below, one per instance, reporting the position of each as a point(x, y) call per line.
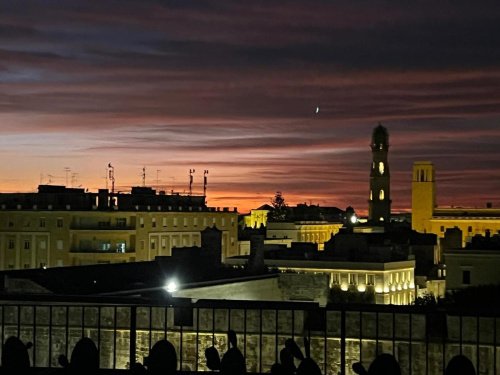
point(233, 86)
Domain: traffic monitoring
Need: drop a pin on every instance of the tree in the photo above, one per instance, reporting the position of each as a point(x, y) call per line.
point(280, 208)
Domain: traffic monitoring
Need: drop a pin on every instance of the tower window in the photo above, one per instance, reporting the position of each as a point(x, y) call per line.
point(381, 195)
point(381, 168)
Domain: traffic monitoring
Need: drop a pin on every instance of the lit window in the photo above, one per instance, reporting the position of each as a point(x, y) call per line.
point(370, 279)
point(381, 195)
point(381, 168)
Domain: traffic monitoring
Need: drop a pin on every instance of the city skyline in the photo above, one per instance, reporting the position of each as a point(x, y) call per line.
point(267, 97)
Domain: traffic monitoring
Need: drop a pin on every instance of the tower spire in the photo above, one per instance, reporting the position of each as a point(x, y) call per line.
point(379, 203)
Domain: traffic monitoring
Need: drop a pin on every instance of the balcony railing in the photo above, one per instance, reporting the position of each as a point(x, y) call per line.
point(422, 340)
point(99, 251)
point(101, 227)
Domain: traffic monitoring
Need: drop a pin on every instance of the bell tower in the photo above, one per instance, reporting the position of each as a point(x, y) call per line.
point(379, 204)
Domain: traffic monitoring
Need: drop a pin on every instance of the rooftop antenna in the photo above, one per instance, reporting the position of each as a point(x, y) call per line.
point(74, 179)
point(205, 180)
point(106, 177)
point(66, 171)
point(158, 179)
point(50, 179)
point(191, 171)
point(143, 176)
point(112, 177)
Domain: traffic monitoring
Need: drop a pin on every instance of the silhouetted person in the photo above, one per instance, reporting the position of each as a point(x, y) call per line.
point(15, 358)
point(384, 364)
point(213, 358)
point(137, 369)
point(162, 359)
point(460, 365)
point(233, 362)
point(286, 359)
point(307, 365)
point(84, 358)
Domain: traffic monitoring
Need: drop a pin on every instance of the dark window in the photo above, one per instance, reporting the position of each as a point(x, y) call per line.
point(469, 229)
point(12, 244)
point(27, 245)
point(59, 222)
point(442, 228)
point(42, 222)
point(466, 277)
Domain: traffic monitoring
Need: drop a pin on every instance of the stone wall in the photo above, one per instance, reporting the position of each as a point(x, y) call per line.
point(261, 335)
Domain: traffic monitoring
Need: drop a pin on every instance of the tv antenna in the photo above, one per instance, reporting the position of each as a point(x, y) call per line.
point(143, 176)
point(191, 171)
point(111, 170)
point(66, 171)
point(205, 180)
point(74, 179)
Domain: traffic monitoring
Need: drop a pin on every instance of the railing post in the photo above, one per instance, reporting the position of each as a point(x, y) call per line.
point(133, 335)
point(342, 342)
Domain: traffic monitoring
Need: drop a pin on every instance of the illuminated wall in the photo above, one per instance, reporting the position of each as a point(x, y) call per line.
point(256, 218)
point(32, 238)
point(428, 218)
point(303, 231)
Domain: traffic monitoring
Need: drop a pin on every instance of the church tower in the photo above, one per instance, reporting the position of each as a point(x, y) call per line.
point(423, 195)
point(379, 205)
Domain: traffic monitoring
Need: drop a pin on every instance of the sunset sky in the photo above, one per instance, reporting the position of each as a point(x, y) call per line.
point(232, 86)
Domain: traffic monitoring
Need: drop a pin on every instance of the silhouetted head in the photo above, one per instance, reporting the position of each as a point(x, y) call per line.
point(384, 364)
point(85, 356)
point(308, 367)
point(460, 365)
point(294, 349)
point(213, 358)
point(162, 358)
point(15, 355)
point(233, 363)
point(231, 337)
point(137, 369)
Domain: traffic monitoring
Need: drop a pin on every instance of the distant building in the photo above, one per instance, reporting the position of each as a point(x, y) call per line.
point(427, 217)
point(59, 226)
point(475, 265)
point(379, 203)
point(257, 217)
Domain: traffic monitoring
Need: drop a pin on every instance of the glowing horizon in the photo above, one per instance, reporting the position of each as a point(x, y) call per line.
point(234, 88)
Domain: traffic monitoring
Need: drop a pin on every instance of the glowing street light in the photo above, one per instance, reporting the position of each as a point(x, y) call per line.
point(171, 286)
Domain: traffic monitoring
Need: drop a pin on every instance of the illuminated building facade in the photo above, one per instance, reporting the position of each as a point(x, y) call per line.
point(392, 282)
point(379, 203)
point(257, 217)
point(427, 217)
point(59, 226)
point(303, 231)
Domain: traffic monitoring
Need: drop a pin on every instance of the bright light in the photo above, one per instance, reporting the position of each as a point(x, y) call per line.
point(171, 286)
point(344, 287)
point(354, 219)
point(361, 288)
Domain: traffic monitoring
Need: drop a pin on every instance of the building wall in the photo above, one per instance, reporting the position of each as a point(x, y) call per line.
point(481, 266)
point(303, 231)
point(392, 282)
point(428, 218)
point(32, 238)
point(256, 218)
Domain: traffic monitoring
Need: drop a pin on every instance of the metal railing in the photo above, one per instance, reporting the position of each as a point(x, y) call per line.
point(423, 340)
